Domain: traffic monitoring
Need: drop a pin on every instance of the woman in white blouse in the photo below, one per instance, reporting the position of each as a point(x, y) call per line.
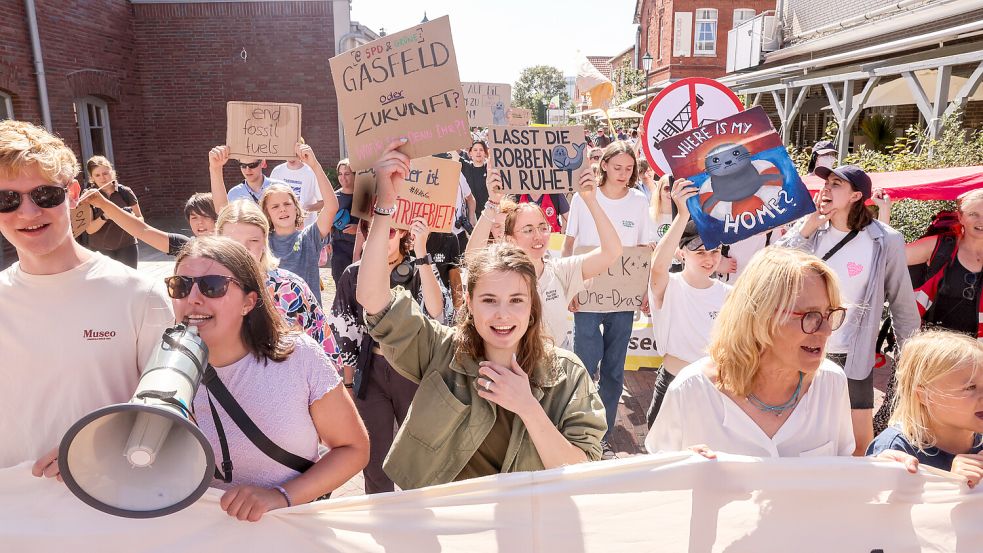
point(766, 390)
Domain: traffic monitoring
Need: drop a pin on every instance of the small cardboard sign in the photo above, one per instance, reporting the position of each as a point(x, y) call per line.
point(430, 191)
point(519, 117)
point(487, 103)
point(264, 130)
point(623, 287)
point(538, 159)
point(405, 84)
point(81, 218)
point(748, 184)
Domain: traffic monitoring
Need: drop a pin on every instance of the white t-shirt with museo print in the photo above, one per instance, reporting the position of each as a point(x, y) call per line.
point(72, 342)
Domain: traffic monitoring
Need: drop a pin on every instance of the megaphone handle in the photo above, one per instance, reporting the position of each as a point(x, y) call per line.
point(225, 473)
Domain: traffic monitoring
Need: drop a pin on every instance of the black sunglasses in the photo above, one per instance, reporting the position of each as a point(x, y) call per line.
point(210, 286)
point(45, 196)
point(252, 165)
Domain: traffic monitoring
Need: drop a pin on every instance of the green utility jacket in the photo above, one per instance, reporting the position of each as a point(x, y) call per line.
point(448, 420)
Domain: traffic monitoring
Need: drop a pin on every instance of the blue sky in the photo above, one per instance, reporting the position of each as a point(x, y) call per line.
point(495, 40)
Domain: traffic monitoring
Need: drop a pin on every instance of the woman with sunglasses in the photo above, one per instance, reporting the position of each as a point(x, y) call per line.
point(243, 222)
point(558, 280)
point(105, 236)
point(297, 247)
point(869, 259)
point(382, 394)
point(281, 378)
point(494, 395)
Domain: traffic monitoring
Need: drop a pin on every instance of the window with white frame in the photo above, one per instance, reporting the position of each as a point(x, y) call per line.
point(658, 45)
point(92, 115)
point(706, 32)
point(6, 106)
point(741, 15)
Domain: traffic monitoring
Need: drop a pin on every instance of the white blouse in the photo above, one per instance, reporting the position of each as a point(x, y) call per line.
point(696, 412)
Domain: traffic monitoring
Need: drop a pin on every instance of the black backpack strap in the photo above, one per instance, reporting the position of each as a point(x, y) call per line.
point(945, 250)
point(843, 242)
point(214, 385)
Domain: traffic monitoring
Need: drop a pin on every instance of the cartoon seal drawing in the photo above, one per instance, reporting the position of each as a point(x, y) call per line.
point(498, 114)
point(734, 176)
point(563, 161)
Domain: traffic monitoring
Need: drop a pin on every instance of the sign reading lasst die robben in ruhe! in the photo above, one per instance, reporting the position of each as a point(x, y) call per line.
point(403, 85)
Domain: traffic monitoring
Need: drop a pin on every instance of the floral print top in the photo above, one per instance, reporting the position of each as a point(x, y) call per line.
point(293, 298)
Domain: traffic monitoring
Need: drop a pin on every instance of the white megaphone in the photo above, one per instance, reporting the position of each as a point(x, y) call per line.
point(145, 458)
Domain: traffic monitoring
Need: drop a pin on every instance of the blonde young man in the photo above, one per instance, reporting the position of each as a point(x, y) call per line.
point(76, 326)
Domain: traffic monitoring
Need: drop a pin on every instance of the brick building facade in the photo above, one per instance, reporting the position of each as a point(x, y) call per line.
point(688, 38)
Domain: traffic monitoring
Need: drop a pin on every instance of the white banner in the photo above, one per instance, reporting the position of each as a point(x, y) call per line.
point(667, 503)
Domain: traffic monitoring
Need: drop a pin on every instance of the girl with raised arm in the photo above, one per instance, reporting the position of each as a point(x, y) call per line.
point(493, 376)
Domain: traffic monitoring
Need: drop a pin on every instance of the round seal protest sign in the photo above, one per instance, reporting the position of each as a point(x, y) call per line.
point(683, 105)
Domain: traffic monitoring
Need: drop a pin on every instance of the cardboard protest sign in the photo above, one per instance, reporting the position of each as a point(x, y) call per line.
point(487, 103)
point(683, 105)
point(404, 84)
point(538, 159)
point(519, 117)
point(81, 218)
point(262, 130)
point(623, 287)
point(429, 191)
point(748, 184)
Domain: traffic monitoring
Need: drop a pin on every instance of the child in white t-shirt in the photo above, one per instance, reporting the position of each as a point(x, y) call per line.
point(303, 181)
point(685, 304)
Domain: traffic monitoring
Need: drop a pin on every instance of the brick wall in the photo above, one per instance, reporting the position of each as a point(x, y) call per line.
point(191, 65)
point(666, 66)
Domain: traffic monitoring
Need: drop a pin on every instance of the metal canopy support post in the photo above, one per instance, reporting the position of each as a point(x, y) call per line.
point(846, 112)
point(932, 110)
point(967, 90)
point(757, 100)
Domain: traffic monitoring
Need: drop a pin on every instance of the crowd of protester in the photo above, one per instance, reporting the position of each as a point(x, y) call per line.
point(431, 365)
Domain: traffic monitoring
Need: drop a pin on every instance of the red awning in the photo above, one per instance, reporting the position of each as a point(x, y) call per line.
point(925, 184)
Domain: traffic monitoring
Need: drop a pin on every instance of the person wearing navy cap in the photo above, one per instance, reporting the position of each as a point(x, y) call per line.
point(823, 155)
point(868, 256)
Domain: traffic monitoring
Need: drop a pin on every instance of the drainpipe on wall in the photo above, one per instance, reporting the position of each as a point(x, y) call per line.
point(32, 23)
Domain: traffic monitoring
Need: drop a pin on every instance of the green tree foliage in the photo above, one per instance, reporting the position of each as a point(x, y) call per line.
point(955, 146)
point(536, 86)
point(879, 132)
point(627, 81)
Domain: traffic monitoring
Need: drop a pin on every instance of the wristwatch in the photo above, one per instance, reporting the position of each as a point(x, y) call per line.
point(426, 260)
point(384, 210)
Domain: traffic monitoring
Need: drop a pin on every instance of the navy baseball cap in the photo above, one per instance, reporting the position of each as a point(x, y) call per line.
point(691, 237)
point(824, 147)
point(850, 173)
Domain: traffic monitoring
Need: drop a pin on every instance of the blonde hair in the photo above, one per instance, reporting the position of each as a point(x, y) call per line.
point(246, 212)
point(24, 146)
point(927, 357)
point(966, 197)
point(760, 303)
point(344, 162)
point(656, 209)
point(282, 189)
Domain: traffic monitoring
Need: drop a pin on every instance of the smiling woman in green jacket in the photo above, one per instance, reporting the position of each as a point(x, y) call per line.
point(495, 396)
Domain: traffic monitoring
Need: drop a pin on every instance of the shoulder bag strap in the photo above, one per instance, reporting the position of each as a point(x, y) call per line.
point(853, 234)
point(214, 385)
